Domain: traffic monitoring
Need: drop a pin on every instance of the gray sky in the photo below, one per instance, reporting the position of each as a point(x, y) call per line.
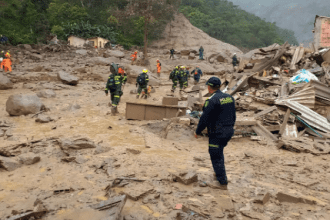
point(290, 14)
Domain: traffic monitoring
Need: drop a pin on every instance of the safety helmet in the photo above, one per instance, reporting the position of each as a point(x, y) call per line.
point(234, 53)
point(183, 67)
point(157, 60)
point(145, 70)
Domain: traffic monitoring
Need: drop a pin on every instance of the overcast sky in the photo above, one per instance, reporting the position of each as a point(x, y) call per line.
point(290, 14)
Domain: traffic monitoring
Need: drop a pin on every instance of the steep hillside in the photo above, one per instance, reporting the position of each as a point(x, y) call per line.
point(181, 34)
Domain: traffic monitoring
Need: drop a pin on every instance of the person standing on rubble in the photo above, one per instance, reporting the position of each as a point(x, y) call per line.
point(2, 57)
point(142, 81)
point(172, 53)
point(235, 61)
point(134, 57)
point(6, 63)
point(174, 77)
point(114, 85)
point(159, 66)
point(219, 116)
point(197, 74)
point(201, 51)
point(183, 78)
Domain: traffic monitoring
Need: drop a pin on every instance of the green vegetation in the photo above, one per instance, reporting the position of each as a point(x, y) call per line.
point(33, 21)
point(223, 20)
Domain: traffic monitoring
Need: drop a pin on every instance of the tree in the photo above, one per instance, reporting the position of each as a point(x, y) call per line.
point(154, 14)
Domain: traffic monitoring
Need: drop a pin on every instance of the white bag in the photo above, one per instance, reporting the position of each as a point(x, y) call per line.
point(304, 76)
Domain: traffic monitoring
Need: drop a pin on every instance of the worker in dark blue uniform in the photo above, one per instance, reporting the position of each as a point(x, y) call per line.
point(219, 116)
point(197, 74)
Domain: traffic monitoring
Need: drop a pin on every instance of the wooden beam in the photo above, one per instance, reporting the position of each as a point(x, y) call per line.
point(285, 121)
point(266, 111)
point(263, 132)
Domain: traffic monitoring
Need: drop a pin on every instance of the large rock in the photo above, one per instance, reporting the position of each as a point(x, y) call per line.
point(66, 78)
point(43, 119)
point(68, 145)
point(82, 52)
point(23, 105)
point(117, 53)
point(103, 61)
point(191, 56)
point(47, 93)
point(34, 56)
point(29, 158)
point(206, 68)
point(27, 47)
point(5, 82)
point(9, 163)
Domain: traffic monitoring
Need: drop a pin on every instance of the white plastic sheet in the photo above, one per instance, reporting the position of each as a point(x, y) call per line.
point(304, 76)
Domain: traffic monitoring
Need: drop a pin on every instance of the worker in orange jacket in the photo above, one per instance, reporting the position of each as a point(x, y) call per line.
point(134, 56)
point(6, 63)
point(158, 67)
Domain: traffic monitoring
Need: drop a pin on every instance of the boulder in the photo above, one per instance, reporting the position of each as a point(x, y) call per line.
point(23, 104)
point(29, 158)
point(9, 163)
point(82, 52)
point(206, 68)
point(185, 52)
point(5, 82)
point(117, 53)
point(66, 78)
point(47, 93)
point(27, 47)
point(43, 119)
point(186, 178)
point(68, 145)
point(34, 56)
point(191, 56)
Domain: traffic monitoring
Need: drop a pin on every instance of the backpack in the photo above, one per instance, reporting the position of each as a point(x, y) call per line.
point(112, 82)
point(142, 79)
point(114, 68)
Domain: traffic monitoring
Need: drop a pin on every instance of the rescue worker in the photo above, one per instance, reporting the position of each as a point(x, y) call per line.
point(6, 63)
point(219, 116)
point(134, 57)
point(159, 66)
point(121, 71)
point(172, 53)
point(114, 85)
point(197, 72)
point(201, 51)
point(183, 78)
point(174, 77)
point(3, 39)
point(235, 61)
point(142, 81)
point(2, 57)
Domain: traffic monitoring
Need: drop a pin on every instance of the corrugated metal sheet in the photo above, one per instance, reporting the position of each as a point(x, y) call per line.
point(309, 116)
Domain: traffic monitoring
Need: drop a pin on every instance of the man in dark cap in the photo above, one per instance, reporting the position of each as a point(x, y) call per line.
point(219, 116)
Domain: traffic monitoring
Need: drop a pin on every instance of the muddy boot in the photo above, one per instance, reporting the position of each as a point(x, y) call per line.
point(145, 96)
point(137, 96)
point(113, 110)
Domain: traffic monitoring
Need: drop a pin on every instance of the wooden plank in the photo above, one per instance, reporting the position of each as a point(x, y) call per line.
point(239, 85)
point(285, 121)
point(267, 65)
point(284, 90)
point(273, 127)
point(245, 121)
point(263, 132)
point(266, 111)
point(301, 133)
point(112, 206)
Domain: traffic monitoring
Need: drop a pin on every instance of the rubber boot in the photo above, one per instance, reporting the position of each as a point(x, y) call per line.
point(113, 110)
point(137, 96)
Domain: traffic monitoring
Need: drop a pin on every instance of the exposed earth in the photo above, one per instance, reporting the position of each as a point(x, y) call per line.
point(70, 155)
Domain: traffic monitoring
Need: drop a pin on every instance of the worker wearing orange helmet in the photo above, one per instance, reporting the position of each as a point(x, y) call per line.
point(6, 63)
point(134, 56)
point(158, 67)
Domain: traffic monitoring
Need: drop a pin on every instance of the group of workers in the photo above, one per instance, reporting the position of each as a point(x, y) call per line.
point(181, 74)
point(5, 61)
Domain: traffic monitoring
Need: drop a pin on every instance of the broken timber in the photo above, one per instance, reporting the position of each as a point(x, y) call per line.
point(263, 132)
point(285, 122)
point(114, 206)
point(266, 111)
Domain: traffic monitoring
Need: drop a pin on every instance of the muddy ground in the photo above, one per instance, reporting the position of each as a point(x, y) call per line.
point(264, 182)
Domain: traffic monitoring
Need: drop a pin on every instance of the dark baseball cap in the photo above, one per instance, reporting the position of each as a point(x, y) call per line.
point(213, 81)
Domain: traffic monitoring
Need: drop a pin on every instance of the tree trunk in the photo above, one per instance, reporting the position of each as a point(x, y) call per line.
point(145, 55)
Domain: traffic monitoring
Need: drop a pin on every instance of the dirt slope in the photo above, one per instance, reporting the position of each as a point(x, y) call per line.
point(182, 35)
